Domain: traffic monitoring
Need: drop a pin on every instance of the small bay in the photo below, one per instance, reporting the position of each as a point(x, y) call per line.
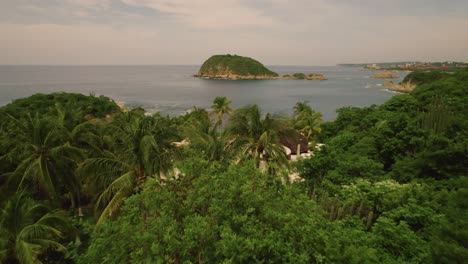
point(172, 89)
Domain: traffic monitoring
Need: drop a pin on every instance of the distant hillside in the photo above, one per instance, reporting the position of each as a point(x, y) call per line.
point(381, 64)
point(406, 65)
point(234, 67)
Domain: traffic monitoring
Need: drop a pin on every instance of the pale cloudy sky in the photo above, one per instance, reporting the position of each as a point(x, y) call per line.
point(297, 32)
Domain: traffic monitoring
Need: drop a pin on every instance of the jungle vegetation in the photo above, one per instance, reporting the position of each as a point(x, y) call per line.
point(83, 181)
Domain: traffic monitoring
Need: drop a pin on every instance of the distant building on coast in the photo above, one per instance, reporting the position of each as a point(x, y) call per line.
point(373, 66)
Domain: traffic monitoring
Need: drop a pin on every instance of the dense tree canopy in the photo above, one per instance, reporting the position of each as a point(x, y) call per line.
point(82, 181)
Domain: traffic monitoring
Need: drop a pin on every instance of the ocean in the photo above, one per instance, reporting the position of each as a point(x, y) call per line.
point(173, 90)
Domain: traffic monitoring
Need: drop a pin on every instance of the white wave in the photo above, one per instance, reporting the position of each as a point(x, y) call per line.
point(389, 91)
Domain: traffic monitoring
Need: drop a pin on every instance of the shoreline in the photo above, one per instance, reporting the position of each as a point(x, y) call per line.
point(318, 77)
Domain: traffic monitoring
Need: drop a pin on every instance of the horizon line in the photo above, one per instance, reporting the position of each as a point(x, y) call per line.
point(295, 65)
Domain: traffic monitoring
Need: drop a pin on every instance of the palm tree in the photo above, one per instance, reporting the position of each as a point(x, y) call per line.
point(258, 138)
point(302, 106)
point(220, 108)
point(27, 229)
point(45, 151)
point(142, 148)
point(213, 145)
point(205, 139)
point(198, 119)
point(306, 120)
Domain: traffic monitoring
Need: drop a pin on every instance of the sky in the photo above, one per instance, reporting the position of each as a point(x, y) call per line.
point(275, 32)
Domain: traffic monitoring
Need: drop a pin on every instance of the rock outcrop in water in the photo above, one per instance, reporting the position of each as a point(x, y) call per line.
point(403, 87)
point(389, 84)
point(302, 76)
point(315, 76)
point(384, 75)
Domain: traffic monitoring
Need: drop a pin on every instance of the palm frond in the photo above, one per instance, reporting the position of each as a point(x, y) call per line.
point(26, 253)
point(36, 230)
point(102, 166)
point(28, 228)
point(30, 173)
point(47, 243)
point(3, 255)
point(45, 175)
point(67, 151)
point(122, 185)
point(53, 219)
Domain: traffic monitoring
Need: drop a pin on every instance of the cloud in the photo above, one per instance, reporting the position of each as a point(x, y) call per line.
point(66, 12)
point(208, 14)
point(420, 8)
point(308, 32)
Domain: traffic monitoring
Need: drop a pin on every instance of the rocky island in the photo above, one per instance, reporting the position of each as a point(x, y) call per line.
point(402, 87)
point(235, 67)
point(384, 75)
point(302, 76)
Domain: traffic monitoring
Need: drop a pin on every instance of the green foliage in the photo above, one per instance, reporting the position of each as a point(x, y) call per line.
point(422, 77)
point(299, 75)
point(397, 167)
point(237, 216)
point(437, 118)
point(450, 235)
point(46, 104)
point(28, 229)
point(452, 91)
point(388, 184)
point(220, 108)
point(307, 120)
point(257, 137)
point(234, 64)
point(139, 140)
point(44, 152)
point(401, 103)
point(399, 241)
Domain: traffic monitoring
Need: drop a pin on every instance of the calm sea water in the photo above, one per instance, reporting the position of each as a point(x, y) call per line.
point(173, 90)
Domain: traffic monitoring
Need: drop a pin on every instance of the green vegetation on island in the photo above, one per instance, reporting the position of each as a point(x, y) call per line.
point(234, 67)
point(302, 76)
point(421, 77)
point(299, 75)
point(384, 75)
point(83, 182)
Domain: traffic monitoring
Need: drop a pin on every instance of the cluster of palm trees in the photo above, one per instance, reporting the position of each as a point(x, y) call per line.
point(27, 227)
point(101, 162)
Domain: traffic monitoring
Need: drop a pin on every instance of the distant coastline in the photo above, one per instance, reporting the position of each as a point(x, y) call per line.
point(313, 76)
point(172, 89)
point(408, 65)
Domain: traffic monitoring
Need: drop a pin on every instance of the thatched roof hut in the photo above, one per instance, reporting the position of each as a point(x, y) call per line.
point(291, 139)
